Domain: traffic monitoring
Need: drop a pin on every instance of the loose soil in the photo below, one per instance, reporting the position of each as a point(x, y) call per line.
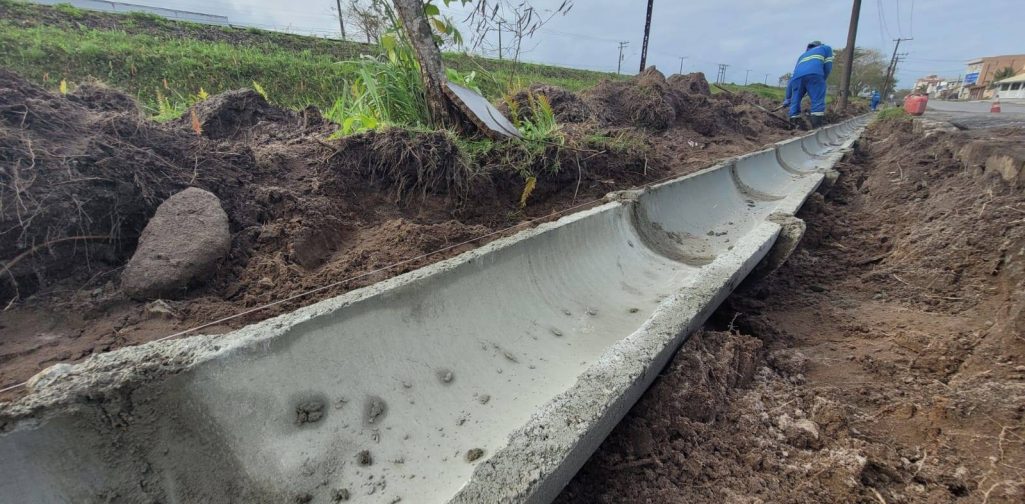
point(883, 363)
point(83, 173)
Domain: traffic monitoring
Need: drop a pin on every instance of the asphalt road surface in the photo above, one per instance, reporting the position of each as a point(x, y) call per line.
point(976, 114)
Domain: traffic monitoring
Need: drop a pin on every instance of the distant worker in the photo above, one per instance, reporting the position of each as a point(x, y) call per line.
point(875, 100)
point(809, 78)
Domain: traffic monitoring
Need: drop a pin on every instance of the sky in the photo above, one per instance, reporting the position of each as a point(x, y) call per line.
point(763, 36)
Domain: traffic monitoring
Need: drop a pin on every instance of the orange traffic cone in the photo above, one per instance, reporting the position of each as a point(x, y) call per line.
point(995, 107)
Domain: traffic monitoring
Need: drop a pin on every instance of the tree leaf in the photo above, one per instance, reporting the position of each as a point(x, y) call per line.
point(432, 10)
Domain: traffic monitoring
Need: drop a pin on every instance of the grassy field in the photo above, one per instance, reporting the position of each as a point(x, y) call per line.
point(166, 63)
point(160, 60)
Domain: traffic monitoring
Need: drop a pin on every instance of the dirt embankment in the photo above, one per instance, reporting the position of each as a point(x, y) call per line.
point(883, 363)
point(84, 173)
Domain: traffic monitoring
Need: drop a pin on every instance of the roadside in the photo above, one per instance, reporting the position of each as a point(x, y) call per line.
point(883, 363)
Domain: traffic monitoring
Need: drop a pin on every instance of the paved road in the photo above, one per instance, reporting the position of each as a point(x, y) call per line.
point(976, 115)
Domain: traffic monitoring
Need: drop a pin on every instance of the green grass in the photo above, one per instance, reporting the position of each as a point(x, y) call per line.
point(892, 114)
point(146, 55)
point(770, 92)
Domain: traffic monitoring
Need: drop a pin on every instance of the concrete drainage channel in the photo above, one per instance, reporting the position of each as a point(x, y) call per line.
point(490, 377)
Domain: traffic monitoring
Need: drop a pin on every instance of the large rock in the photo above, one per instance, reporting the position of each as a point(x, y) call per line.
point(181, 245)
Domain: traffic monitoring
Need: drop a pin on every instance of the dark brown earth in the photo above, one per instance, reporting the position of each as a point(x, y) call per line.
point(83, 174)
point(883, 363)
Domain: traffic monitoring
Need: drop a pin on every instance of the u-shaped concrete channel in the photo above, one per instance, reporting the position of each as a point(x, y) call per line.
point(487, 378)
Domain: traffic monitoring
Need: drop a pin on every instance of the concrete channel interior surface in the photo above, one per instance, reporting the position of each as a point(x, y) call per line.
point(488, 377)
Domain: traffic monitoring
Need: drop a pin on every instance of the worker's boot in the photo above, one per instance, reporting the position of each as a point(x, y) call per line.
point(817, 121)
point(797, 123)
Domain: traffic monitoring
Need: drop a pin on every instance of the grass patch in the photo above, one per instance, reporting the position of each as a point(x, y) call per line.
point(164, 62)
point(770, 92)
point(892, 114)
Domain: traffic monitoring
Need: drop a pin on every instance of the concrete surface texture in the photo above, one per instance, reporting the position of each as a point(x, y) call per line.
point(490, 377)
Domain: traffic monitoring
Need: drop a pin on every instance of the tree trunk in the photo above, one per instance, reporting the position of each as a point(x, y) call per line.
point(432, 71)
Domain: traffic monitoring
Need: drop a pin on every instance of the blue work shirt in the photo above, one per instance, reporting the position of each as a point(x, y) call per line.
point(815, 61)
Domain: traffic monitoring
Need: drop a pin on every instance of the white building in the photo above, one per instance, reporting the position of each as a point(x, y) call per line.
point(1012, 87)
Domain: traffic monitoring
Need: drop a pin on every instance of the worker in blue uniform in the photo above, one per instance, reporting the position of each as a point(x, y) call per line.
point(875, 100)
point(809, 78)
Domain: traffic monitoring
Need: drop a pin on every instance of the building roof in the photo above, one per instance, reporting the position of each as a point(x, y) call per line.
point(1010, 80)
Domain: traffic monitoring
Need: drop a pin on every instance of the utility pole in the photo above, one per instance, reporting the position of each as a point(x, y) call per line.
point(766, 80)
point(619, 67)
point(681, 63)
point(721, 77)
point(746, 74)
point(852, 35)
point(647, 30)
point(499, 41)
point(892, 69)
point(341, 22)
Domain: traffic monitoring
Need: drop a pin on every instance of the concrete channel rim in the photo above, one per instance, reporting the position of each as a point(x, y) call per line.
point(199, 394)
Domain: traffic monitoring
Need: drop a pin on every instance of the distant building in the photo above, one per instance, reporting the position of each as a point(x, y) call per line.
point(933, 84)
point(1012, 87)
point(979, 74)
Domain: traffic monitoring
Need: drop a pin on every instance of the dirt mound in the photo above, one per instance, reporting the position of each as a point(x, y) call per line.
point(80, 181)
point(692, 83)
point(640, 101)
point(99, 96)
point(230, 114)
point(568, 107)
point(651, 101)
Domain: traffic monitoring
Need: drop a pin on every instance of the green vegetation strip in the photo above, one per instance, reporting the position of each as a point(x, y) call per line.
point(165, 63)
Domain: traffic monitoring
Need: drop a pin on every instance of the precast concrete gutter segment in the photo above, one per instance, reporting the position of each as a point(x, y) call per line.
point(489, 377)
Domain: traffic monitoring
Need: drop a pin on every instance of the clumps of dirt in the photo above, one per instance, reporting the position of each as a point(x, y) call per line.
point(242, 112)
point(98, 96)
point(692, 83)
point(946, 260)
point(653, 102)
point(410, 162)
point(567, 106)
point(84, 181)
point(641, 101)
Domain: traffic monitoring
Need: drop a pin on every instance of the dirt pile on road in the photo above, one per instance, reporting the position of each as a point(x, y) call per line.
point(887, 353)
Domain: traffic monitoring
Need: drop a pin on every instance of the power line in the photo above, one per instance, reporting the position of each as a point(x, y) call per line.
point(882, 20)
point(900, 30)
point(911, 29)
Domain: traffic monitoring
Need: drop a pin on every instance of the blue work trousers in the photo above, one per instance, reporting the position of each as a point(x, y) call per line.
point(814, 86)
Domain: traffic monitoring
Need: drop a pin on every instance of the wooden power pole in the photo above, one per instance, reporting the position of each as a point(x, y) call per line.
point(619, 66)
point(852, 35)
point(647, 31)
point(432, 71)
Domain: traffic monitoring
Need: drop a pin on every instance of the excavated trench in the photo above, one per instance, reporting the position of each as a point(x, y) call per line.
point(489, 377)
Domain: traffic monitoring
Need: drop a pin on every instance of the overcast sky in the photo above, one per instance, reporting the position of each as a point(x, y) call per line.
point(765, 36)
